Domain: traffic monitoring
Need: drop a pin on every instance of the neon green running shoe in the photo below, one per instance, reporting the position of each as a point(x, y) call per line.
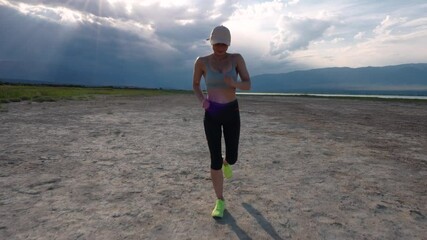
point(218, 211)
point(228, 172)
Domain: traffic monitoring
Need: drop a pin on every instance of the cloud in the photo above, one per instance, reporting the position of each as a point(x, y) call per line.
point(138, 41)
point(389, 40)
point(375, 34)
point(359, 35)
point(107, 39)
point(160, 21)
point(293, 2)
point(296, 33)
point(387, 25)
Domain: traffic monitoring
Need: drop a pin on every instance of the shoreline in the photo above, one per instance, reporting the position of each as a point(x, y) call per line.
point(342, 96)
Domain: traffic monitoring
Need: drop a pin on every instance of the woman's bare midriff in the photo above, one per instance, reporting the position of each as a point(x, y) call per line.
point(222, 95)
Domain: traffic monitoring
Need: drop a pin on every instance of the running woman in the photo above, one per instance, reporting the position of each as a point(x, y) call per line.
point(220, 70)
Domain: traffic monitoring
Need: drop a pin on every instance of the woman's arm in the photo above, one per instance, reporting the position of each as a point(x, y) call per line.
point(245, 83)
point(197, 76)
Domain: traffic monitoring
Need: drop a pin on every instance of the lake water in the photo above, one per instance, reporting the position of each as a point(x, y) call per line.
point(335, 95)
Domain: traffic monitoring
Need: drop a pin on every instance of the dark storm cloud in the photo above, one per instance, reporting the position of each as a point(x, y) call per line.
point(86, 41)
point(154, 43)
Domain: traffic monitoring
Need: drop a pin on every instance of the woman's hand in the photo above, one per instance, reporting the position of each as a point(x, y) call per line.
point(205, 104)
point(229, 81)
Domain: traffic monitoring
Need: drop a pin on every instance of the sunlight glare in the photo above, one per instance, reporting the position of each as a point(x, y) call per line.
point(128, 4)
point(69, 15)
point(185, 22)
point(60, 14)
point(165, 3)
point(129, 8)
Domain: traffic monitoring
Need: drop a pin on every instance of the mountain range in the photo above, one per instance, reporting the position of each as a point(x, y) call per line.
point(405, 79)
point(399, 79)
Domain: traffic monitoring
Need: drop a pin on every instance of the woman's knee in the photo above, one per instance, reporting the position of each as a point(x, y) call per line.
point(216, 163)
point(216, 166)
point(232, 159)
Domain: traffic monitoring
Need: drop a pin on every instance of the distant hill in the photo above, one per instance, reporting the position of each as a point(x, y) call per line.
point(405, 79)
point(400, 79)
point(24, 81)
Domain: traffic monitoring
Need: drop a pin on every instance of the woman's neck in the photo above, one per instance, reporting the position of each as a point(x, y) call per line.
point(220, 57)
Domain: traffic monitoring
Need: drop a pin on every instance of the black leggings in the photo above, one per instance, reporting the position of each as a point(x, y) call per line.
point(226, 116)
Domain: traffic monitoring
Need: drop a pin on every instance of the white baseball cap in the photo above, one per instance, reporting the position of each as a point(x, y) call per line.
point(220, 34)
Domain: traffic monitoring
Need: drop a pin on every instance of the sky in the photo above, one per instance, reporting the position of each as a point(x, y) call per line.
point(149, 43)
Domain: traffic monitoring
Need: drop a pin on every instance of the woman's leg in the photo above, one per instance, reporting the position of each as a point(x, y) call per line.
point(218, 183)
point(213, 135)
point(231, 137)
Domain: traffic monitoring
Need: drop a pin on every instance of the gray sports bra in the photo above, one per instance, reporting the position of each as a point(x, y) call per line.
point(215, 79)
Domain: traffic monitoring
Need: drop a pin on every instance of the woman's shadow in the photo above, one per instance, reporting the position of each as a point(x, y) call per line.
point(228, 219)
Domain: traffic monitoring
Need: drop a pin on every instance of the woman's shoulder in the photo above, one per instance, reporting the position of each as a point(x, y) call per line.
point(236, 58)
point(236, 55)
point(202, 59)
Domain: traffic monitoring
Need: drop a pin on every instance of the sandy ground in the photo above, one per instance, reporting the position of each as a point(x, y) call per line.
point(138, 168)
